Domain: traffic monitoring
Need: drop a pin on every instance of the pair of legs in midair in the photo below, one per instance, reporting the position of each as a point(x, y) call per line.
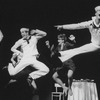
point(40, 69)
point(67, 54)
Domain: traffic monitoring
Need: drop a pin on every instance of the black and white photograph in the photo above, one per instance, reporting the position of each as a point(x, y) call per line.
point(49, 49)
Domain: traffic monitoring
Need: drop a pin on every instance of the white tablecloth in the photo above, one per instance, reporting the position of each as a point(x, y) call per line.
point(83, 91)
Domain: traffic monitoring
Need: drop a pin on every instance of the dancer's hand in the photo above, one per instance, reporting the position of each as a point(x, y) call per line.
point(52, 54)
point(5, 67)
point(59, 27)
point(70, 92)
point(65, 90)
point(21, 54)
point(13, 62)
point(10, 69)
point(47, 43)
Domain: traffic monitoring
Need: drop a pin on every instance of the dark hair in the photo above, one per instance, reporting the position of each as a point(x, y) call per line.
point(62, 36)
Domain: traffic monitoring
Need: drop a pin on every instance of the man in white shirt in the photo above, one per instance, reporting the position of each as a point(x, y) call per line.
point(29, 53)
point(94, 28)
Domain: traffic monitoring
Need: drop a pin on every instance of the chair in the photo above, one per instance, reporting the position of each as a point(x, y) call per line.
point(58, 94)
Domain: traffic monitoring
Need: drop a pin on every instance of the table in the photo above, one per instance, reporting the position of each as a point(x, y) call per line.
point(83, 90)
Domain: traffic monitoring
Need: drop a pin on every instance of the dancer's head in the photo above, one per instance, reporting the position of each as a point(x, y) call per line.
point(62, 38)
point(97, 11)
point(24, 32)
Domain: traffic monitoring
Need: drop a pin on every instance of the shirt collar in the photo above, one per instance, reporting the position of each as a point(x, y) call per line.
point(97, 25)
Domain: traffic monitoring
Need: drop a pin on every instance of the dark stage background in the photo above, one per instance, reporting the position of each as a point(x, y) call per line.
point(43, 15)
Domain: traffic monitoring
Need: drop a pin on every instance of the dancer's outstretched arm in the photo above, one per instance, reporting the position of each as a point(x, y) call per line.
point(81, 25)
